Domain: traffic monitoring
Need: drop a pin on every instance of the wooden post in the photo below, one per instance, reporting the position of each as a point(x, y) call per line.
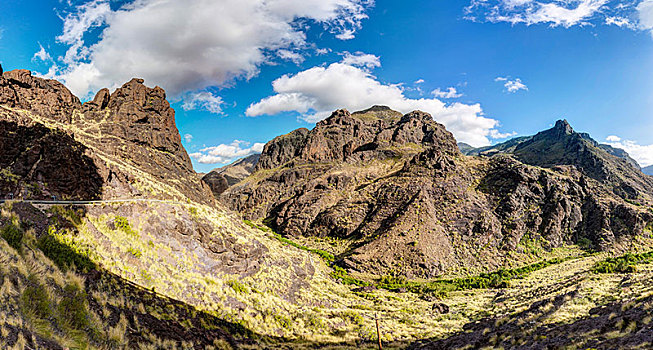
point(378, 331)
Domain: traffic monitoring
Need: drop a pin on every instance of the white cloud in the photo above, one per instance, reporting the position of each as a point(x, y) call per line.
point(512, 85)
point(566, 13)
point(42, 55)
point(87, 16)
point(449, 93)
point(643, 154)
point(225, 153)
point(645, 15)
point(316, 92)
point(495, 134)
point(419, 81)
point(346, 34)
point(360, 59)
point(190, 45)
point(203, 100)
point(288, 55)
point(188, 138)
point(618, 21)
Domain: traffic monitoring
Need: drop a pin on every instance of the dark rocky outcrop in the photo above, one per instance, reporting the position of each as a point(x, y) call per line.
point(398, 189)
point(129, 136)
point(38, 163)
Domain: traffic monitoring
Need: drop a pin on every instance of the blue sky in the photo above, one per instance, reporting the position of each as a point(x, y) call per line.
point(242, 72)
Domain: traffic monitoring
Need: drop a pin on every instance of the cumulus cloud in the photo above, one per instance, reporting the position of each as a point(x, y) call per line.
point(565, 13)
point(188, 138)
point(449, 93)
point(190, 45)
point(643, 154)
point(224, 153)
point(42, 55)
point(512, 85)
point(203, 100)
point(316, 92)
point(645, 15)
point(360, 59)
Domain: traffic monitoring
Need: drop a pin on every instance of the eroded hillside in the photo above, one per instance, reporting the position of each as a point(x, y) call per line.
point(397, 197)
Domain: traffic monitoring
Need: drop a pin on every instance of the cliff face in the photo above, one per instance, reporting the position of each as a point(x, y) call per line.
point(399, 193)
point(120, 145)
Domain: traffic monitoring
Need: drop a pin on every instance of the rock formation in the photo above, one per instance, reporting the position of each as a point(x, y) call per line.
point(128, 140)
point(400, 193)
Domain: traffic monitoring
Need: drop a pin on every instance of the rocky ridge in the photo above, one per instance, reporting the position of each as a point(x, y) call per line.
point(397, 190)
point(126, 143)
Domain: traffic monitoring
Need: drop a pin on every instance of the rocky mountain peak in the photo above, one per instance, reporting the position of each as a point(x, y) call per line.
point(134, 126)
point(562, 126)
point(48, 98)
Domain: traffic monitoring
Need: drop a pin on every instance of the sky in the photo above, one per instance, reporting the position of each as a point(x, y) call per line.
point(241, 72)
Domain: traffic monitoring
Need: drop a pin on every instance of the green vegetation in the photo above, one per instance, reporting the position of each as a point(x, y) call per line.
point(623, 264)
point(328, 257)
point(73, 308)
point(54, 246)
point(7, 176)
point(35, 299)
point(438, 288)
point(135, 252)
point(237, 286)
point(12, 233)
point(69, 214)
point(123, 225)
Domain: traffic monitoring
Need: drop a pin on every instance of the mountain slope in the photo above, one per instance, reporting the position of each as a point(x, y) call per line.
point(398, 189)
point(222, 178)
point(126, 144)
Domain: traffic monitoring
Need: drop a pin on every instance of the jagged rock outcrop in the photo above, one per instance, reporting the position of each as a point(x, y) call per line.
point(129, 136)
point(398, 190)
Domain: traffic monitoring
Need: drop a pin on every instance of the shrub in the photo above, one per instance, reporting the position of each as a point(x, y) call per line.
point(61, 254)
point(622, 264)
point(123, 225)
point(73, 308)
point(135, 252)
point(237, 286)
point(35, 298)
point(13, 235)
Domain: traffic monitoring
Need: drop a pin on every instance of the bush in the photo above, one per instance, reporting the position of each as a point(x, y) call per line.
point(73, 308)
point(13, 235)
point(123, 225)
point(63, 255)
point(622, 264)
point(35, 298)
point(237, 286)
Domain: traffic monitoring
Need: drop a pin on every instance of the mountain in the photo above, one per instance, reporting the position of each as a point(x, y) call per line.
point(504, 147)
point(393, 188)
point(119, 145)
point(222, 178)
point(379, 220)
point(648, 170)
